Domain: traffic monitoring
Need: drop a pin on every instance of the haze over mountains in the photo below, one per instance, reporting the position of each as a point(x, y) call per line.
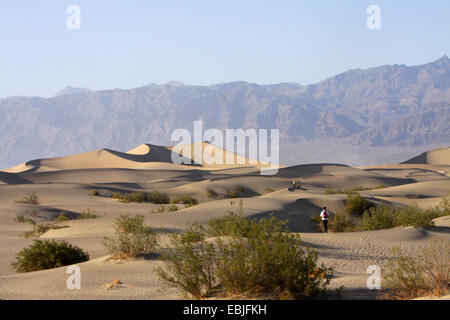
point(361, 117)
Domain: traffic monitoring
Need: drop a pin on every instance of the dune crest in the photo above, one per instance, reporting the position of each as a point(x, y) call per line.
point(437, 157)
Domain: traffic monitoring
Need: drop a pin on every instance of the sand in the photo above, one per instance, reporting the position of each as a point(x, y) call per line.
point(65, 184)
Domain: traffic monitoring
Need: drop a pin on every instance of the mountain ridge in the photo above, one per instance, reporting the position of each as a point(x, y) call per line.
point(397, 105)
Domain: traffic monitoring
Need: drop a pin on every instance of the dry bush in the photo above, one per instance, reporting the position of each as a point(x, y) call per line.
point(428, 273)
point(30, 198)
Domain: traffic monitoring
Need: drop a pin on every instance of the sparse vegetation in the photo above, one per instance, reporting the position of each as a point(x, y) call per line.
point(356, 205)
point(133, 238)
point(48, 254)
point(20, 218)
point(41, 228)
point(30, 198)
point(342, 221)
point(427, 273)
point(152, 197)
point(172, 208)
point(211, 193)
point(235, 193)
point(95, 193)
point(232, 194)
point(162, 209)
point(268, 190)
point(261, 259)
point(384, 216)
point(353, 190)
point(88, 214)
point(63, 217)
point(185, 199)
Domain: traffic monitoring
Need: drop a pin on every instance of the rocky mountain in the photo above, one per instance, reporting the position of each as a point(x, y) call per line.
point(386, 106)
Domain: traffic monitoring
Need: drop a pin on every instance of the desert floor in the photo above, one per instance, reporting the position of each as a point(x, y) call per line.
point(65, 184)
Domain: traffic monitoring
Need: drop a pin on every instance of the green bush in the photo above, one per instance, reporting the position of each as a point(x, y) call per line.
point(268, 260)
point(185, 199)
point(356, 204)
point(63, 217)
point(211, 193)
point(48, 254)
point(20, 217)
point(172, 208)
point(133, 239)
point(385, 217)
point(232, 194)
point(29, 199)
point(152, 197)
point(190, 266)
point(233, 224)
point(342, 222)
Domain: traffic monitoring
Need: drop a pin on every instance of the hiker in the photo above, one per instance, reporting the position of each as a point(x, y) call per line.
point(295, 184)
point(324, 215)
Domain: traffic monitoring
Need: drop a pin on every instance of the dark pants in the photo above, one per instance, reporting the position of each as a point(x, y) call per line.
point(325, 225)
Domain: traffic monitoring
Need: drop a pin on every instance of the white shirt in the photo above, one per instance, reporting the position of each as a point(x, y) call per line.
point(321, 215)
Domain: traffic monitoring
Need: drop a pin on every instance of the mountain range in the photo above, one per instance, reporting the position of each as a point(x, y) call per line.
point(386, 108)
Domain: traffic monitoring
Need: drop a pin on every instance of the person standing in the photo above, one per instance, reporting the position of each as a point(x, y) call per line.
point(324, 215)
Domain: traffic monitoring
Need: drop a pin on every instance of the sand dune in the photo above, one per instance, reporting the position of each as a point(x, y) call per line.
point(65, 184)
point(437, 156)
point(11, 178)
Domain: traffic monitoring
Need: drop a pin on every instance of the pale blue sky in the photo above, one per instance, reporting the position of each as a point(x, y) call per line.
point(126, 44)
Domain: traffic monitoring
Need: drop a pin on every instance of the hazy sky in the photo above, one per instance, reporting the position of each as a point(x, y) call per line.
point(126, 44)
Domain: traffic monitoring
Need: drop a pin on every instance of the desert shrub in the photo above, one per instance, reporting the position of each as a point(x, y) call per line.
point(30, 198)
point(63, 216)
point(41, 228)
point(229, 225)
point(211, 193)
point(172, 208)
point(270, 261)
point(190, 266)
point(341, 221)
point(88, 214)
point(48, 254)
point(240, 189)
point(133, 238)
point(268, 190)
point(160, 209)
point(20, 217)
point(356, 204)
point(428, 272)
point(384, 217)
point(185, 199)
point(232, 194)
point(95, 193)
point(233, 224)
point(267, 260)
point(152, 197)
